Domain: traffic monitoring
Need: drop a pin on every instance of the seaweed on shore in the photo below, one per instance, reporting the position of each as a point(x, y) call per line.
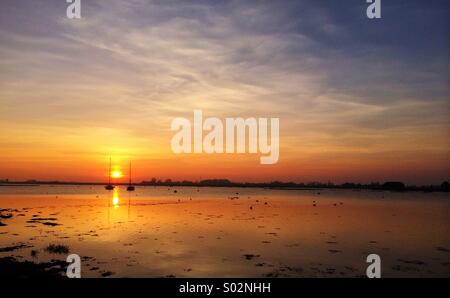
point(16, 269)
point(14, 247)
point(5, 216)
point(57, 249)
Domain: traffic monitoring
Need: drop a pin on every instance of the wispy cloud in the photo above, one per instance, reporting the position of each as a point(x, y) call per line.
point(130, 65)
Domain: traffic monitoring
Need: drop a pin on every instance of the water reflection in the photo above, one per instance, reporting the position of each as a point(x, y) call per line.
point(115, 200)
point(212, 235)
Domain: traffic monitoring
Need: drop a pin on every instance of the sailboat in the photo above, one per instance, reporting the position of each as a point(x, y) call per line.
point(109, 186)
point(130, 187)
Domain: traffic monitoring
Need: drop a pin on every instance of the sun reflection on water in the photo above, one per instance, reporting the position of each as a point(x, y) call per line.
point(115, 200)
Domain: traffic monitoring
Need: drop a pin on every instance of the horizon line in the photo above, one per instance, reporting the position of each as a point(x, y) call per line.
point(227, 182)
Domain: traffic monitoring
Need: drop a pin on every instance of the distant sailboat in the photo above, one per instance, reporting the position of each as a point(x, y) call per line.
point(130, 187)
point(109, 186)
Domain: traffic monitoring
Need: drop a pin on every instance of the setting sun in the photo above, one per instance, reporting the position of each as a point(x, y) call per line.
point(116, 174)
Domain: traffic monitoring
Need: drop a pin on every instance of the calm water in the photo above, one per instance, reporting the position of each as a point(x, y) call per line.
point(230, 232)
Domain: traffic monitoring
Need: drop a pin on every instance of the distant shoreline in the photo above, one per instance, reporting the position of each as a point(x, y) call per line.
point(390, 186)
point(17, 185)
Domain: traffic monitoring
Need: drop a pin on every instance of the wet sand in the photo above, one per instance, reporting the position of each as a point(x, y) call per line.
point(226, 232)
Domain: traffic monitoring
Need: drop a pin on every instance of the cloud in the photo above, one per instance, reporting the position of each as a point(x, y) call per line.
point(332, 77)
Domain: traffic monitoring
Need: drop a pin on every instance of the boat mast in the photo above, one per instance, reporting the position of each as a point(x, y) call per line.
point(130, 174)
point(109, 174)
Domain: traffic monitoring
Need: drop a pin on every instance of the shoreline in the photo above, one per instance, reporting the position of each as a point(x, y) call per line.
point(238, 185)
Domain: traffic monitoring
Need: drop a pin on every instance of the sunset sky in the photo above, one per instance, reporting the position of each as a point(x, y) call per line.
point(358, 99)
